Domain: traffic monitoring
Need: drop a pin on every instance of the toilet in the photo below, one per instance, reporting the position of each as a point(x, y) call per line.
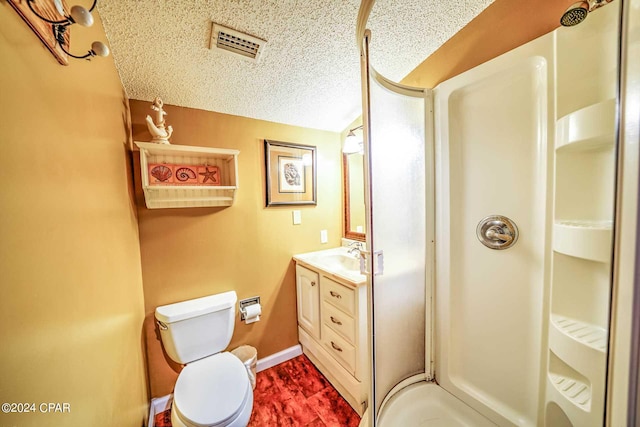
point(213, 389)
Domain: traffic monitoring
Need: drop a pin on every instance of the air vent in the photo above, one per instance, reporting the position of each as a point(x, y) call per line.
point(232, 41)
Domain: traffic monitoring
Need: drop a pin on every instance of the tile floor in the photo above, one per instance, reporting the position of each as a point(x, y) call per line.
point(293, 394)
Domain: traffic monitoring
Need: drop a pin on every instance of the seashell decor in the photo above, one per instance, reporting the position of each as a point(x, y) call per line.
point(186, 173)
point(183, 175)
point(161, 172)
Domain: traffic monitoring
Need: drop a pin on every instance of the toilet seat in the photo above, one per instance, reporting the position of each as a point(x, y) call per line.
point(212, 391)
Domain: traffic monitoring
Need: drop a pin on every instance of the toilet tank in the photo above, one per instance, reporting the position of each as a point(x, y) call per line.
point(197, 328)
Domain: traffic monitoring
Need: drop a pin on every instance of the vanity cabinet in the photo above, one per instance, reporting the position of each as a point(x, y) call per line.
point(332, 329)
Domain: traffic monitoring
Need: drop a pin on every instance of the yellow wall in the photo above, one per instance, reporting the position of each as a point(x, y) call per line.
point(71, 308)
point(503, 26)
point(189, 253)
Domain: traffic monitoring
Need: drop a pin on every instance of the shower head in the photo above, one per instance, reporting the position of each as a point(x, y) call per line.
point(575, 14)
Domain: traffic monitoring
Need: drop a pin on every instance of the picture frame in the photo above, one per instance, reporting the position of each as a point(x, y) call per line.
point(290, 173)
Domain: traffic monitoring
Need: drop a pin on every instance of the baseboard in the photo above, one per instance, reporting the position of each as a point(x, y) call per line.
point(279, 357)
point(159, 404)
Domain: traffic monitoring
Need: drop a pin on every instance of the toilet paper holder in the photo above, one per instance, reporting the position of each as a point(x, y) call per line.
point(245, 303)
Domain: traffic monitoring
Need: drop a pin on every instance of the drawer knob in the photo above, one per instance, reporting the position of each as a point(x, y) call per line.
point(335, 347)
point(336, 321)
point(313, 283)
point(335, 294)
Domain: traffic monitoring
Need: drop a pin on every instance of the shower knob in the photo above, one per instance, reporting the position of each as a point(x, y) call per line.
point(497, 232)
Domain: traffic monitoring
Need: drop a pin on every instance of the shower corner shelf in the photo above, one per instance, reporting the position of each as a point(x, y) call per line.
point(576, 383)
point(591, 336)
point(590, 128)
point(573, 390)
point(589, 240)
point(185, 196)
point(573, 397)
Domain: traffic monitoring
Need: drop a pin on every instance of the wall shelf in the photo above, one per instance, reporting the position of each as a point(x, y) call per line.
point(196, 195)
point(583, 239)
point(589, 128)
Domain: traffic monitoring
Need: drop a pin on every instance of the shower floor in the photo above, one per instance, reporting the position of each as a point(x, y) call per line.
point(428, 405)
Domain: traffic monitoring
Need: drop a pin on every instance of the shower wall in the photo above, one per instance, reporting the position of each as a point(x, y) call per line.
point(494, 145)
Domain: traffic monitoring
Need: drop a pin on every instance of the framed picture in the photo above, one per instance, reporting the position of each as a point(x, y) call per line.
point(290, 173)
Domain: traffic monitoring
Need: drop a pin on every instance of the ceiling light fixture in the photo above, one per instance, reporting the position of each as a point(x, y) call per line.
point(353, 143)
point(77, 15)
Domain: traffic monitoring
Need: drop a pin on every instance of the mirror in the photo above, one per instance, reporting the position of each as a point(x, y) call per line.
point(354, 218)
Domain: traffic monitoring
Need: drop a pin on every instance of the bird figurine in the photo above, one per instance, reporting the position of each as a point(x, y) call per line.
point(159, 134)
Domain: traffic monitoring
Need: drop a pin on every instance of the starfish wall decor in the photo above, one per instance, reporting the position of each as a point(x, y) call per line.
point(212, 175)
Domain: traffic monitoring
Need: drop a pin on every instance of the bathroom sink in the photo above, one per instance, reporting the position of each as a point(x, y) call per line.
point(341, 262)
point(336, 261)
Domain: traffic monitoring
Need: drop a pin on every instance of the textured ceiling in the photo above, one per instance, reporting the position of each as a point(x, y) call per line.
point(309, 73)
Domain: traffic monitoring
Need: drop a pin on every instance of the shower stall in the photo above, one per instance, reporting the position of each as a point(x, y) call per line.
point(490, 206)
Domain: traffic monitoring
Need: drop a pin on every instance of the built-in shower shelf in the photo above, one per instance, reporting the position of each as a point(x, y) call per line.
point(583, 239)
point(576, 400)
point(590, 128)
point(581, 346)
point(586, 334)
point(220, 165)
point(571, 389)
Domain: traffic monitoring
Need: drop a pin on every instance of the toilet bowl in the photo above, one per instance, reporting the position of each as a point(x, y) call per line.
point(213, 389)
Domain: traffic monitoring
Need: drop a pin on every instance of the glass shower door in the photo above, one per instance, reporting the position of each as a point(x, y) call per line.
point(399, 187)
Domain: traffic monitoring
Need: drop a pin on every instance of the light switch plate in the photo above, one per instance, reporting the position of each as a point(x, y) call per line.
point(297, 217)
point(324, 238)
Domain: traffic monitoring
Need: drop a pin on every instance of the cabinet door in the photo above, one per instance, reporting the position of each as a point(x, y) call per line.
point(308, 295)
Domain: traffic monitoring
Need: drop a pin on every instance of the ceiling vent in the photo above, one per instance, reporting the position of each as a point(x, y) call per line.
point(232, 41)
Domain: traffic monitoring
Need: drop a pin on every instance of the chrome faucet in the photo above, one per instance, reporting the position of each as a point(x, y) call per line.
point(355, 248)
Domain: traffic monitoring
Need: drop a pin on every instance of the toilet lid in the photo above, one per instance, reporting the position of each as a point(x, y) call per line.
point(212, 390)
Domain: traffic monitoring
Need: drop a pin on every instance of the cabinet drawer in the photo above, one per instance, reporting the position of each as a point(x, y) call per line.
point(339, 348)
point(340, 296)
point(340, 322)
